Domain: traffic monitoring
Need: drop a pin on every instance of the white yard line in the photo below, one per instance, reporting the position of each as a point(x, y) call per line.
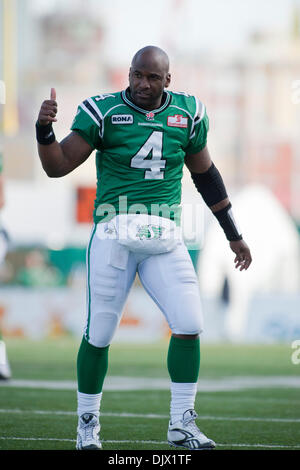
point(127, 441)
point(115, 383)
point(151, 416)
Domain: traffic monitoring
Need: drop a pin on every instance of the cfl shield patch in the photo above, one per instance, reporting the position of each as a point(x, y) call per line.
point(122, 119)
point(177, 121)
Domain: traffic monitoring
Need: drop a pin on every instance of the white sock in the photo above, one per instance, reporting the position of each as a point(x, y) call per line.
point(3, 358)
point(182, 398)
point(88, 403)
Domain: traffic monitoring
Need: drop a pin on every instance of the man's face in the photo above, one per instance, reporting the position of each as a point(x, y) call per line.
point(147, 79)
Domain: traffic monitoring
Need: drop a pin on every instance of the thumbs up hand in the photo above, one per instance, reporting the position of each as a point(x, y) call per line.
point(48, 110)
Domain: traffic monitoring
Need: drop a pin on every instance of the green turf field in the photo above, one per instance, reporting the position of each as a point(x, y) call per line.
point(248, 398)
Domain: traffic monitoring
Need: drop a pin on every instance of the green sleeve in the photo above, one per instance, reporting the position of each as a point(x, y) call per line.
point(198, 139)
point(87, 126)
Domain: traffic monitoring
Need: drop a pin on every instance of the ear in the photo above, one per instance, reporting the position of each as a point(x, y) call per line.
point(168, 80)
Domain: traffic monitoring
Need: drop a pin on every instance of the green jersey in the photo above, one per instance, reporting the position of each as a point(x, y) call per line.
point(140, 153)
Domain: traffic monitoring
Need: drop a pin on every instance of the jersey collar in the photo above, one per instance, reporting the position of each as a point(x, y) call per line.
point(125, 97)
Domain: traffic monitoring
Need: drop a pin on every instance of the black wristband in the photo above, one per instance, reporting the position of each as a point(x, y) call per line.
point(44, 134)
point(228, 224)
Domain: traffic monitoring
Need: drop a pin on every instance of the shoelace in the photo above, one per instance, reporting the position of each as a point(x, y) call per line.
point(190, 423)
point(88, 431)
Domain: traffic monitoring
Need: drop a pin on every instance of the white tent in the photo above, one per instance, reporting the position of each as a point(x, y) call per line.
point(274, 242)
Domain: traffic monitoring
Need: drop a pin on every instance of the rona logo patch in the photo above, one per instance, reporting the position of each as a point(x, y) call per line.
point(122, 119)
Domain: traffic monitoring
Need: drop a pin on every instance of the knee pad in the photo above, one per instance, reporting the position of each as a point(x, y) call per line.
point(102, 328)
point(104, 307)
point(186, 313)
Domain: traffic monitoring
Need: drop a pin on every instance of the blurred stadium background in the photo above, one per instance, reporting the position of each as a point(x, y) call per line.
point(242, 59)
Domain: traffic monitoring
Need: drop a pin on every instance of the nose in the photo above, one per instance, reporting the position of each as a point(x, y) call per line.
point(144, 83)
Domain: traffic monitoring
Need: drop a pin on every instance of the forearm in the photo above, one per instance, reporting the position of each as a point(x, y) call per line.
point(220, 205)
point(50, 151)
point(212, 188)
point(53, 159)
point(60, 158)
point(210, 185)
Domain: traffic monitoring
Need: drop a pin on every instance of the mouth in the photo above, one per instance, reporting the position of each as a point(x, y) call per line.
point(142, 94)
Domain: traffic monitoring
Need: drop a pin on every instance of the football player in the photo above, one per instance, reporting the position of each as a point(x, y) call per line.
point(143, 137)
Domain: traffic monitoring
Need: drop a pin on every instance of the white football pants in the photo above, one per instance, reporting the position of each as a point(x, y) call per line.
point(169, 278)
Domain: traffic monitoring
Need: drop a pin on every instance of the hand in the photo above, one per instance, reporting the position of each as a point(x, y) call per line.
point(243, 257)
point(48, 110)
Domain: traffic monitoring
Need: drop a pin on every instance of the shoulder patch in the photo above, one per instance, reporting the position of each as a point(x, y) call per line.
point(178, 120)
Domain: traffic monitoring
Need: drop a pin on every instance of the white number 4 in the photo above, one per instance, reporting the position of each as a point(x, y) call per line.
point(155, 165)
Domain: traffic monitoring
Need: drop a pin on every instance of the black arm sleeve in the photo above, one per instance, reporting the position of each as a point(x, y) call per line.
point(210, 185)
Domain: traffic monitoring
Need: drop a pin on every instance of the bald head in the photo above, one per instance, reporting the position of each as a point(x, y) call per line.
point(149, 76)
point(152, 54)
